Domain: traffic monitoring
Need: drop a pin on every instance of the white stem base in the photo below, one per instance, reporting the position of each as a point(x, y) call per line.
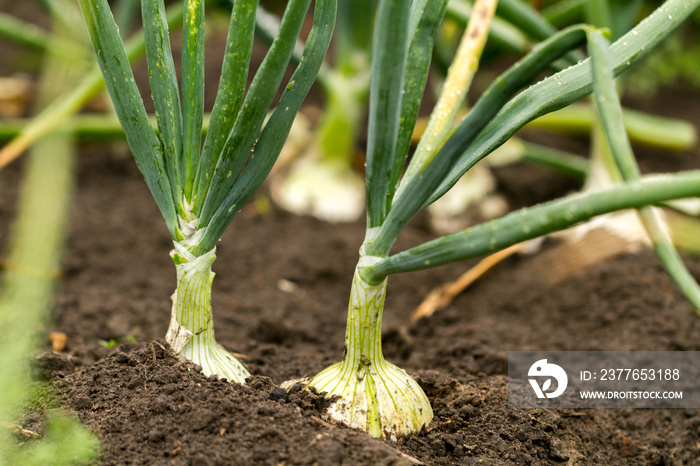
point(374, 395)
point(191, 331)
point(327, 189)
point(214, 360)
point(381, 399)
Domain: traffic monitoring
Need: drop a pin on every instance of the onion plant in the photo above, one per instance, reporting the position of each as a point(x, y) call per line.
point(373, 394)
point(200, 187)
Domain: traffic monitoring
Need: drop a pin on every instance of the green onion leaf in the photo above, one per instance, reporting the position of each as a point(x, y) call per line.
point(525, 18)
point(141, 137)
point(192, 68)
point(564, 12)
point(417, 67)
point(212, 191)
point(386, 85)
point(610, 112)
point(234, 73)
point(164, 89)
point(277, 128)
point(418, 9)
point(536, 221)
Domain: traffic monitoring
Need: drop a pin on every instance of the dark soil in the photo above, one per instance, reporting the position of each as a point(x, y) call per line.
point(149, 407)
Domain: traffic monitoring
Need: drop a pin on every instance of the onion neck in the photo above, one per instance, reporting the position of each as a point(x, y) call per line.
point(363, 334)
point(191, 331)
point(373, 394)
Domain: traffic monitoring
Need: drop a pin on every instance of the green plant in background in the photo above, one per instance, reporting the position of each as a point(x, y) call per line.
point(200, 188)
point(373, 394)
point(578, 119)
point(322, 181)
point(614, 234)
point(59, 113)
point(33, 265)
point(678, 61)
point(112, 342)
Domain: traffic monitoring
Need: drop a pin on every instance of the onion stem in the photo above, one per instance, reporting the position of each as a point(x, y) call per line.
point(191, 331)
point(374, 395)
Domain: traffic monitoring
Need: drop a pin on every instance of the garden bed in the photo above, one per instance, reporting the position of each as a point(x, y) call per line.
point(149, 407)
